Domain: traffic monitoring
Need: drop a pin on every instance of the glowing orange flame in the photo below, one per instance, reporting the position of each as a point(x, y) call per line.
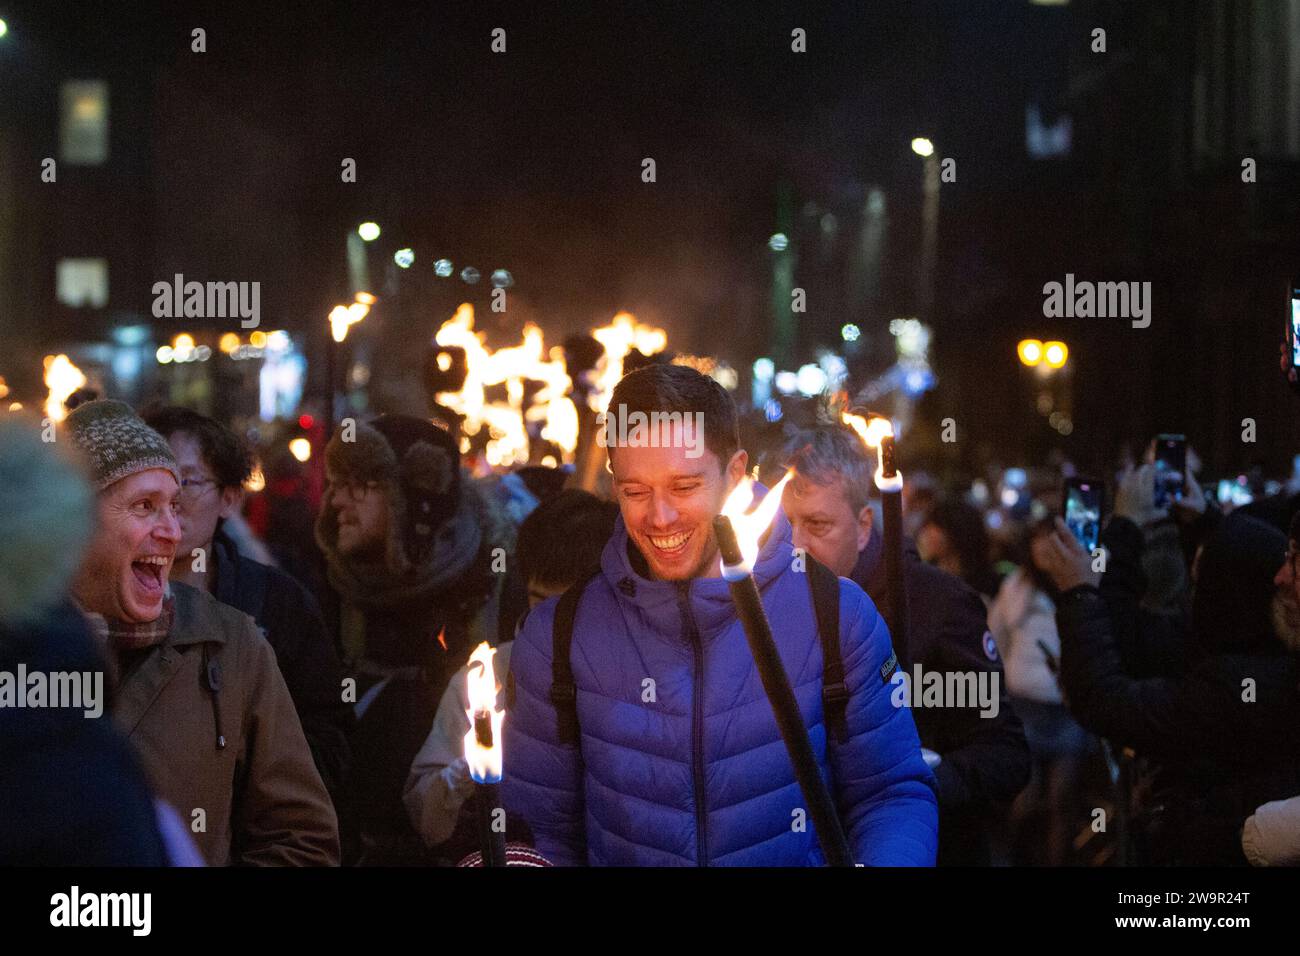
point(506, 421)
point(873, 432)
point(485, 763)
point(623, 334)
point(62, 378)
point(343, 317)
point(749, 527)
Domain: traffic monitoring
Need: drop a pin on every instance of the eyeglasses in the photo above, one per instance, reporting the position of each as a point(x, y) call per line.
point(355, 490)
point(192, 488)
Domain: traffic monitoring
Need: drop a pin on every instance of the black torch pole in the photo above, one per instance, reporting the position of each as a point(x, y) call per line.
point(891, 507)
point(492, 842)
point(758, 631)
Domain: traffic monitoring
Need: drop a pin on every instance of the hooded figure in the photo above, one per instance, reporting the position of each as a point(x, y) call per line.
point(414, 550)
point(1224, 730)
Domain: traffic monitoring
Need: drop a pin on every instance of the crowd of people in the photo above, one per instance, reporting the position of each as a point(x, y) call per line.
point(1140, 707)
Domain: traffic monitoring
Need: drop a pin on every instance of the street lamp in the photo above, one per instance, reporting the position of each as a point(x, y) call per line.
point(924, 148)
point(1029, 351)
point(1055, 354)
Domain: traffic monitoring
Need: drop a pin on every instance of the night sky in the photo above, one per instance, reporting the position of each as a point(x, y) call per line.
point(531, 161)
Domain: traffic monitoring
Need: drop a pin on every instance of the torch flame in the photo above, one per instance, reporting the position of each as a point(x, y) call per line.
point(749, 527)
point(507, 421)
point(623, 334)
point(485, 762)
point(873, 432)
point(62, 378)
point(343, 317)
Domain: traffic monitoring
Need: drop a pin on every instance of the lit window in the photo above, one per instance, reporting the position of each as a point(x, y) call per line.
point(83, 130)
point(82, 283)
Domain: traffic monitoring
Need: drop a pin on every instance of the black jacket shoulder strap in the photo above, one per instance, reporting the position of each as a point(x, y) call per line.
point(564, 693)
point(825, 587)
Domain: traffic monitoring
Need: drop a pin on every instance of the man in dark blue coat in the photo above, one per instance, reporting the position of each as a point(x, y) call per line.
point(678, 759)
point(975, 742)
point(214, 465)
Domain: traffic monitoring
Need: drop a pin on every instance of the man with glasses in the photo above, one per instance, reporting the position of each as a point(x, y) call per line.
point(415, 553)
point(214, 464)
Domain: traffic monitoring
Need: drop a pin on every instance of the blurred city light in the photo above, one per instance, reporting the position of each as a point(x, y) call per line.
point(443, 268)
point(810, 380)
point(164, 354)
point(257, 340)
point(469, 275)
point(369, 231)
point(404, 258)
point(4, 28)
point(1055, 354)
point(850, 332)
point(502, 279)
point(228, 342)
point(779, 242)
point(1030, 351)
point(922, 146)
point(300, 448)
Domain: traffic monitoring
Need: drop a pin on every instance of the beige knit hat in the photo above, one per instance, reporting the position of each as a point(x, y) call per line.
point(116, 444)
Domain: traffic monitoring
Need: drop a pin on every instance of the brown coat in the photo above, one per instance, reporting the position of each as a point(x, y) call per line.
point(262, 797)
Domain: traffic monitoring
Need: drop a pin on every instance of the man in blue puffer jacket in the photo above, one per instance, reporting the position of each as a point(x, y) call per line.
point(679, 760)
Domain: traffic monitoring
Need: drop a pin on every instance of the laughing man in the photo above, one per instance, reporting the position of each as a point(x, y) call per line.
point(677, 759)
point(199, 693)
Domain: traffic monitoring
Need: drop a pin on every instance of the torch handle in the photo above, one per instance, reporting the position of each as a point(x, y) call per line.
point(891, 507)
point(492, 843)
point(821, 808)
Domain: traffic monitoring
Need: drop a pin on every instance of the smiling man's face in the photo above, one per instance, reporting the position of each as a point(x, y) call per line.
point(126, 568)
point(669, 500)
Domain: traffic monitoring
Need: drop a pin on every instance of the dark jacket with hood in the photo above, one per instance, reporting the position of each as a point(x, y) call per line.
point(986, 760)
point(409, 617)
point(1224, 730)
point(289, 618)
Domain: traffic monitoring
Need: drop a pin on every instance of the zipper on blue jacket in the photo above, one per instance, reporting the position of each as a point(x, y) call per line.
point(697, 724)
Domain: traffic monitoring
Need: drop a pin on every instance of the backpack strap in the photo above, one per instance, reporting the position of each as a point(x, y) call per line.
point(825, 588)
point(564, 693)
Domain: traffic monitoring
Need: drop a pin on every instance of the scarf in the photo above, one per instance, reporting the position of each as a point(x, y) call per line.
point(121, 636)
point(375, 584)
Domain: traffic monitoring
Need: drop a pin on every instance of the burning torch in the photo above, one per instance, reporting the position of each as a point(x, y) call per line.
point(484, 755)
point(878, 434)
point(738, 537)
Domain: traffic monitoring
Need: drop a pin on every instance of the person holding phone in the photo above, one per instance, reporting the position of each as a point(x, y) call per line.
point(1222, 730)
